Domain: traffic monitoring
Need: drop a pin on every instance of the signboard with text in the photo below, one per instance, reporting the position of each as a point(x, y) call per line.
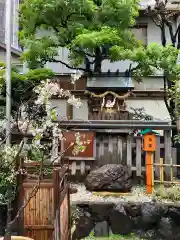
point(79, 145)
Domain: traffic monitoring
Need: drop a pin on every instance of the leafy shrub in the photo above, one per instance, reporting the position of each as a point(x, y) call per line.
point(114, 237)
point(172, 193)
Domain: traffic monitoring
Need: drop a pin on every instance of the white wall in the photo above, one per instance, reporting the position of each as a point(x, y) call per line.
point(82, 112)
point(151, 83)
point(60, 105)
point(61, 108)
point(155, 108)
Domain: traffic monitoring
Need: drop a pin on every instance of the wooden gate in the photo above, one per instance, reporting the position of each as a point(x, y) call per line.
point(47, 215)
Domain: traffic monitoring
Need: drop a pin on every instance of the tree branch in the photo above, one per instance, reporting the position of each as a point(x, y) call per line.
point(177, 30)
point(67, 65)
point(130, 70)
point(169, 25)
point(154, 21)
point(177, 35)
point(85, 53)
point(163, 35)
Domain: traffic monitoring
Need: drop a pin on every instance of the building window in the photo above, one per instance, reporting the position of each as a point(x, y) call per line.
point(140, 32)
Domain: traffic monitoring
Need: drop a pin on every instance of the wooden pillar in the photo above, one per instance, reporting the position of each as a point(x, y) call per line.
point(69, 111)
point(56, 196)
point(101, 151)
point(120, 150)
point(157, 157)
point(110, 155)
point(101, 146)
point(167, 152)
point(174, 160)
point(129, 151)
point(110, 144)
point(138, 157)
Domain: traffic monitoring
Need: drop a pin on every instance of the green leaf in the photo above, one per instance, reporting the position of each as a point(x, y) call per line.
point(85, 27)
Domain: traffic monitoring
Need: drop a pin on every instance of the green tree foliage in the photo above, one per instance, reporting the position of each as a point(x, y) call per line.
point(159, 58)
point(88, 28)
point(92, 30)
point(165, 15)
point(22, 86)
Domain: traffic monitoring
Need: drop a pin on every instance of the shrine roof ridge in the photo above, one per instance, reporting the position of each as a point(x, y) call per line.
point(117, 124)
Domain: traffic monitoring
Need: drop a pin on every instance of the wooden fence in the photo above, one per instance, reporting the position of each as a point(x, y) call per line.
point(126, 149)
point(47, 214)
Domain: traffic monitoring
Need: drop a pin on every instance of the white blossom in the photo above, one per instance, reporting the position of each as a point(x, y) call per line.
point(75, 101)
point(76, 76)
point(52, 88)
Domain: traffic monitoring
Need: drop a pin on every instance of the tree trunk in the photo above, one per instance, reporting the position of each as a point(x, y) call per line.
point(98, 61)
point(3, 216)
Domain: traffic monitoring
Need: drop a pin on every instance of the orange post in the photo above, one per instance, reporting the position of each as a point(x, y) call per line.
point(149, 177)
point(149, 147)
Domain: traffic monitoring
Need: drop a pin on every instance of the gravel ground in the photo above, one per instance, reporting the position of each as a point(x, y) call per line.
point(138, 194)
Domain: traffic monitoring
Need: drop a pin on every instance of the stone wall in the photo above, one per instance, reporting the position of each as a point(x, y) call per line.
point(148, 220)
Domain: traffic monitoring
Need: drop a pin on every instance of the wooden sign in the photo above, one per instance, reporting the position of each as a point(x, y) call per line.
point(149, 143)
point(88, 141)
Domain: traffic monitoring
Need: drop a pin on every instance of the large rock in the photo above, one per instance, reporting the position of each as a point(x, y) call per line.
point(100, 211)
point(110, 177)
point(101, 229)
point(151, 214)
point(165, 228)
point(174, 213)
point(133, 209)
point(119, 221)
point(84, 226)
